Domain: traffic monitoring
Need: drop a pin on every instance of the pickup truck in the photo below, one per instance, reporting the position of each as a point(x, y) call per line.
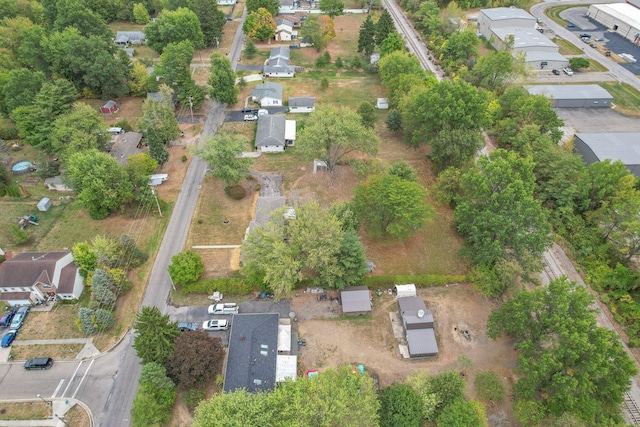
point(223, 308)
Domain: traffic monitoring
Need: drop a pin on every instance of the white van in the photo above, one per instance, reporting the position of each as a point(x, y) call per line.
point(115, 131)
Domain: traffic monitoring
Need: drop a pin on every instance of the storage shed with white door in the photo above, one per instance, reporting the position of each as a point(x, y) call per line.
point(405, 290)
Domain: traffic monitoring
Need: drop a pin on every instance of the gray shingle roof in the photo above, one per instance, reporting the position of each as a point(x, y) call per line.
point(270, 130)
point(355, 299)
point(302, 101)
point(251, 362)
point(268, 89)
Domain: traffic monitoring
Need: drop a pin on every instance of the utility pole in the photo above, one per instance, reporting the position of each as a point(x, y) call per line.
point(191, 107)
point(153, 191)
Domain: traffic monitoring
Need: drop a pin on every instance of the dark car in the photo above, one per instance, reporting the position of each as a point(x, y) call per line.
point(8, 339)
point(585, 35)
point(556, 72)
point(187, 326)
point(249, 110)
point(294, 46)
point(6, 318)
point(570, 25)
point(38, 363)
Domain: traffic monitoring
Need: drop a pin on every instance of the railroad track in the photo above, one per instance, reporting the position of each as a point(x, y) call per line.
point(411, 39)
point(632, 409)
point(552, 269)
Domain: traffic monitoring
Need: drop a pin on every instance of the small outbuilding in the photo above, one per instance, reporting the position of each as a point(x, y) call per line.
point(622, 146)
point(110, 107)
point(405, 290)
point(418, 325)
point(574, 96)
point(302, 104)
point(382, 104)
point(44, 204)
point(356, 300)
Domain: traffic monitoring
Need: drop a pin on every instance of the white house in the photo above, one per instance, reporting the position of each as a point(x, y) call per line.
point(285, 31)
point(125, 38)
point(278, 63)
point(270, 134)
point(267, 94)
point(32, 276)
point(302, 104)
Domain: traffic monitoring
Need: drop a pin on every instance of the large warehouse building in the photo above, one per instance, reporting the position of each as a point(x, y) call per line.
point(497, 25)
point(622, 18)
point(596, 147)
point(574, 96)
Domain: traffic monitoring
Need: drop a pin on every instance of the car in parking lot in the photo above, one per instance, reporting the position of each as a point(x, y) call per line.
point(570, 25)
point(249, 110)
point(38, 363)
point(250, 118)
point(593, 45)
point(7, 317)
point(585, 35)
point(18, 318)
point(599, 39)
point(216, 325)
point(187, 326)
point(8, 339)
point(556, 72)
point(568, 71)
point(586, 40)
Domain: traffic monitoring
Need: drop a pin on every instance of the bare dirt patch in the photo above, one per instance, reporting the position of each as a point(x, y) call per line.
point(333, 341)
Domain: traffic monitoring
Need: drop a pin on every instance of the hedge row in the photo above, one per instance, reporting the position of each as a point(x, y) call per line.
point(421, 280)
point(227, 286)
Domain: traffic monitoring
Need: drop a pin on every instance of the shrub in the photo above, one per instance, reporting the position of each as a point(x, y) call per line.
point(84, 321)
point(193, 397)
point(634, 342)
point(9, 132)
point(20, 236)
point(324, 83)
point(489, 387)
point(184, 158)
point(103, 320)
point(124, 124)
point(236, 192)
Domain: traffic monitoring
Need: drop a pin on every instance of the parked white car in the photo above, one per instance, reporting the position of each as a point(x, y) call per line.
point(250, 118)
point(223, 308)
point(568, 71)
point(216, 325)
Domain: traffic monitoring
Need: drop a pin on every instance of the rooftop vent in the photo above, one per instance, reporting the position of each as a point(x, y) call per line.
point(420, 313)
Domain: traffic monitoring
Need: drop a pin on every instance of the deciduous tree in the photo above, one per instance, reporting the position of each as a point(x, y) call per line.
point(223, 155)
point(140, 14)
point(444, 106)
point(271, 5)
point(101, 183)
point(155, 398)
point(190, 367)
point(74, 13)
point(367, 113)
point(236, 409)
point(158, 117)
point(19, 87)
point(332, 8)
point(578, 62)
point(455, 147)
point(495, 68)
point(80, 129)
point(392, 43)
point(463, 413)
point(260, 25)
point(332, 133)
point(222, 80)
point(400, 406)
point(388, 205)
point(174, 27)
point(211, 20)
point(497, 213)
point(186, 267)
point(155, 334)
point(174, 69)
point(567, 362)
point(437, 392)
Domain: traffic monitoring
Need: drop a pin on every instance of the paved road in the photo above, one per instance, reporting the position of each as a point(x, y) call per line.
point(621, 74)
point(112, 409)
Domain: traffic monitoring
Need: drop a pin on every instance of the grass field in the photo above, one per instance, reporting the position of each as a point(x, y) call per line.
point(625, 98)
point(56, 351)
point(595, 66)
point(566, 47)
point(554, 14)
point(37, 410)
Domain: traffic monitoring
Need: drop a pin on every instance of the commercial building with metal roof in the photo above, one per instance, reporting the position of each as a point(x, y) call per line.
point(622, 18)
point(574, 96)
point(596, 147)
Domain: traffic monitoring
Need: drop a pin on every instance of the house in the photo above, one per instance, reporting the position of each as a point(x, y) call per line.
point(574, 96)
point(356, 300)
point(622, 146)
point(55, 184)
point(278, 63)
point(267, 94)
point(285, 31)
point(125, 38)
point(110, 107)
point(226, 2)
point(288, 6)
point(417, 322)
point(125, 145)
point(270, 134)
point(32, 276)
point(509, 25)
point(252, 357)
point(302, 104)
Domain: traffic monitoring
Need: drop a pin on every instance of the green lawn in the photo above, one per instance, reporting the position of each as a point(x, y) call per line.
point(554, 13)
point(595, 66)
point(625, 97)
point(566, 47)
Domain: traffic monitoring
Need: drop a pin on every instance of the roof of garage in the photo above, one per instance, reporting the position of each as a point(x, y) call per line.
point(615, 146)
point(570, 91)
point(355, 299)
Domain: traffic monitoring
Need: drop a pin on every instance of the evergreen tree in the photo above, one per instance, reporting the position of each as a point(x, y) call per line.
point(366, 38)
point(384, 27)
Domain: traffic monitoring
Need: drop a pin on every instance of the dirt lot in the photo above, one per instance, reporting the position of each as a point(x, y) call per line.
point(334, 340)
